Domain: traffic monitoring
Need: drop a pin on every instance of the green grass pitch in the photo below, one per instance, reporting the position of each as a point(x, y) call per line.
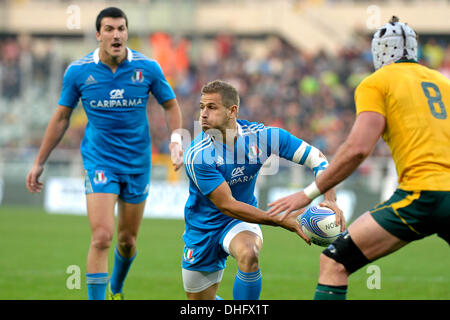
point(37, 248)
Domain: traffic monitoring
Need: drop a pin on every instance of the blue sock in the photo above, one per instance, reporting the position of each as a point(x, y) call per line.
point(120, 271)
point(247, 286)
point(96, 284)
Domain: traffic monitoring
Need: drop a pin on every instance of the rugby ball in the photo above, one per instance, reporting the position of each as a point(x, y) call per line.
point(319, 225)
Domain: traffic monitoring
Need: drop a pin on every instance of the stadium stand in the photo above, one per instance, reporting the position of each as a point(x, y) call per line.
point(310, 95)
point(298, 72)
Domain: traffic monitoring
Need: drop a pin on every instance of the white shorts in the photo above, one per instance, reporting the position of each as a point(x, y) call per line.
point(243, 226)
point(197, 281)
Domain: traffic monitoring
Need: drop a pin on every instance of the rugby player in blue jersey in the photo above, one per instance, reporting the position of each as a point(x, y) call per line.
point(113, 83)
point(221, 214)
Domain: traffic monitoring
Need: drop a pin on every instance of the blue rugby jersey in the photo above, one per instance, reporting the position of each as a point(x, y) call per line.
point(117, 135)
point(209, 163)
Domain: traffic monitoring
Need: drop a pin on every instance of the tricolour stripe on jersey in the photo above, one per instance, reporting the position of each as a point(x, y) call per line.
point(140, 59)
point(254, 128)
point(81, 62)
point(192, 153)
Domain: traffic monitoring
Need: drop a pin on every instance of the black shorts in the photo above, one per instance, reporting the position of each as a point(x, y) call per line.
point(413, 215)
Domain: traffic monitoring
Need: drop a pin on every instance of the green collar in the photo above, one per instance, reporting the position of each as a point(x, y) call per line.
point(406, 60)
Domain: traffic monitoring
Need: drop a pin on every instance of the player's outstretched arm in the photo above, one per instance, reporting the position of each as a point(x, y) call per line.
point(312, 158)
point(365, 133)
point(56, 128)
point(174, 122)
point(227, 204)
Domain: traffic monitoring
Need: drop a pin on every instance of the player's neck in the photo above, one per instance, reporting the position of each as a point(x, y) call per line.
point(227, 134)
point(231, 134)
point(112, 61)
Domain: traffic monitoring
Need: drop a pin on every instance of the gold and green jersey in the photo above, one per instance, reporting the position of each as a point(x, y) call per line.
point(415, 101)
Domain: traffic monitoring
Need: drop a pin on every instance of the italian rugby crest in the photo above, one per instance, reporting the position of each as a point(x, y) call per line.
point(138, 75)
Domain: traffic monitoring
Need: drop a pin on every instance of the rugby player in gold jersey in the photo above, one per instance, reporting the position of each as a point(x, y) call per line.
point(408, 105)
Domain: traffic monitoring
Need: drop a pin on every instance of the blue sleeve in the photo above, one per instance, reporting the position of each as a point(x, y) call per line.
point(70, 94)
point(159, 86)
point(201, 167)
point(286, 145)
point(205, 176)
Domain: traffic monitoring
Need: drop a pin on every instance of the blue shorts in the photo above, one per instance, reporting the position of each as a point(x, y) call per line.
point(207, 250)
point(131, 188)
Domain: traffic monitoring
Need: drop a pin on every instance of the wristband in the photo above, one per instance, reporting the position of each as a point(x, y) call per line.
point(312, 191)
point(175, 137)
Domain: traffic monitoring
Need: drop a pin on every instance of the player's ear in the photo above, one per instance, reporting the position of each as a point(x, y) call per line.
point(97, 35)
point(233, 111)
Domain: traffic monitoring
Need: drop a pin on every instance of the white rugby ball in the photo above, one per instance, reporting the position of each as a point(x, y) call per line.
point(319, 225)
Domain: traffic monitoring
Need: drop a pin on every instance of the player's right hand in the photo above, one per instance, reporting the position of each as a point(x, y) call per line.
point(33, 183)
point(290, 223)
point(176, 155)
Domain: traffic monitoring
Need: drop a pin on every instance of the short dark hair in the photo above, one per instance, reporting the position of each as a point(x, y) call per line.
point(229, 94)
point(111, 12)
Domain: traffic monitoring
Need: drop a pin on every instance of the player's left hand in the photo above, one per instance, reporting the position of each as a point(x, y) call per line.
point(176, 154)
point(286, 205)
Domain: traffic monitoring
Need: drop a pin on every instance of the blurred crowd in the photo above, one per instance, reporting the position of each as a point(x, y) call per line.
point(279, 85)
point(310, 95)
